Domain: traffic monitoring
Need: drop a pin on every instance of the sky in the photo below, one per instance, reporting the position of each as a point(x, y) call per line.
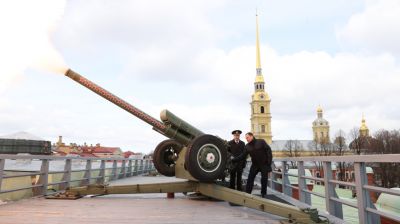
point(196, 59)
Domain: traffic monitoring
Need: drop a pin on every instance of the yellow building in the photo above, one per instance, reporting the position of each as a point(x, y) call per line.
point(260, 101)
point(320, 128)
point(364, 130)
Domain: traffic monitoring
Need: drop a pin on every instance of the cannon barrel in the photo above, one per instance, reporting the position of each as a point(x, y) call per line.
point(198, 156)
point(174, 127)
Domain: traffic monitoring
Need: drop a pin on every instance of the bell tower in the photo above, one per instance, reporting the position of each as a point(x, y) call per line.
point(320, 128)
point(260, 101)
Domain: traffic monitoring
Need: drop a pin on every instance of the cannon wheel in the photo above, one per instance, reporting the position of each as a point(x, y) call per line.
point(163, 157)
point(206, 158)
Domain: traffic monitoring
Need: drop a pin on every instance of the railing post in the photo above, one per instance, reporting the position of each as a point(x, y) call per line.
point(332, 207)
point(136, 167)
point(129, 168)
point(2, 163)
point(363, 199)
point(146, 166)
point(67, 174)
point(273, 177)
point(304, 196)
point(102, 173)
point(114, 175)
point(87, 176)
point(140, 171)
point(285, 180)
point(44, 177)
point(123, 169)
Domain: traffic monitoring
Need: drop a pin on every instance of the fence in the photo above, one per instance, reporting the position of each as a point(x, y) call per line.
point(367, 213)
point(58, 173)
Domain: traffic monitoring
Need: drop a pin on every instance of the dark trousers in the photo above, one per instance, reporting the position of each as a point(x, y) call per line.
point(254, 169)
point(236, 179)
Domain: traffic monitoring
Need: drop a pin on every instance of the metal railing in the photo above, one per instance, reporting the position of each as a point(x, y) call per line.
point(39, 168)
point(367, 213)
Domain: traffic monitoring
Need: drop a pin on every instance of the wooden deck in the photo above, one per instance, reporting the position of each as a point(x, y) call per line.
point(142, 208)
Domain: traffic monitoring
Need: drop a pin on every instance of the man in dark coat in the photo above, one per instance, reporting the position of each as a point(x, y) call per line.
point(261, 158)
point(236, 148)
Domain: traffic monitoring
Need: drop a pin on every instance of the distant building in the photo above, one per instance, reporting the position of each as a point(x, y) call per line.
point(305, 147)
point(320, 128)
point(364, 130)
point(87, 151)
point(24, 142)
point(130, 154)
point(261, 117)
point(260, 101)
point(364, 142)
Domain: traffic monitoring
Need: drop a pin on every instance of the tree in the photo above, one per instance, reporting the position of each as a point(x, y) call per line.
point(340, 149)
point(359, 144)
point(322, 147)
point(293, 148)
point(386, 142)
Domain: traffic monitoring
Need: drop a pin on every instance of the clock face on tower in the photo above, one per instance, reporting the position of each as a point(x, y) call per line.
point(262, 96)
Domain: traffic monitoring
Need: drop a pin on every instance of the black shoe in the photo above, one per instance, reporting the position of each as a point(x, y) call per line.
point(264, 196)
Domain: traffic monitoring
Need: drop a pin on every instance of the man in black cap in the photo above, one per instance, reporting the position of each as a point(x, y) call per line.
point(261, 158)
point(236, 148)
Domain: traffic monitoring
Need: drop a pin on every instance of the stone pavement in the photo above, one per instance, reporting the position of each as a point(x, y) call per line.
point(140, 208)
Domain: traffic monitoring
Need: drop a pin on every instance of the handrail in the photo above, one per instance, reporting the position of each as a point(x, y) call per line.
point(121, 168)
point(367, 213)
point(376, 158)
point(40, 157)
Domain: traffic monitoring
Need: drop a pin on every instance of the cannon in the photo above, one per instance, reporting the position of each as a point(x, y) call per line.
point(190, 154)
point(187, 153)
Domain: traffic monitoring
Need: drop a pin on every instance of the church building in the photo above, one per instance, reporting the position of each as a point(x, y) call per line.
point(260, 101)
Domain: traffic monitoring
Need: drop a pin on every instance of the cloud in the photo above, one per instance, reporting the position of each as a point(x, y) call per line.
point(345, 84)
point(25, 39)
point(374, 29)
point(163, 55)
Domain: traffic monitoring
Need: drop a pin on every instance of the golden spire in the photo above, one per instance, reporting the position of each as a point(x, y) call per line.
point(319, 109)
point(259, 76)
point(363, 124)
point(258, 61)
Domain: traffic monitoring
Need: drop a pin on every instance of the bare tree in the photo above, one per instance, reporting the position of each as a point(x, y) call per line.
point(386, 142)
point(359, 144)
point(314, 146)
point(322, 147)
point(340, 148)
point(293, 148)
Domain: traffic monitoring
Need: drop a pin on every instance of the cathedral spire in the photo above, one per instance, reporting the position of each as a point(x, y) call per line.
point(258, 60)
point(260, 100)
point(259, 83)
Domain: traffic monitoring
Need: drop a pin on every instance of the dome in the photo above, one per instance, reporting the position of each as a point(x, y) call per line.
point(363, 124)
point(319, 109)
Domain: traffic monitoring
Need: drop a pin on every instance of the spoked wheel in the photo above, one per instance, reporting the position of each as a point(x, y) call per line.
point(206, 158)
point(165, 155)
